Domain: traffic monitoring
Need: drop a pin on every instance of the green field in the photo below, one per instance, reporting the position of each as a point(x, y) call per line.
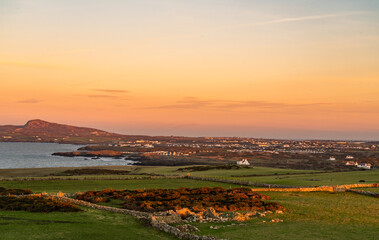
point(278, 176)
point(310, 216)
point(220, 173)
point(316, 215)
point(257, 174)
point(88, 224)
point(319, 179)
point(72, 186)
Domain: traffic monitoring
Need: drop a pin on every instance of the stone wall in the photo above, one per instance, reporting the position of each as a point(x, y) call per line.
point(156, 221)
point(367, 193)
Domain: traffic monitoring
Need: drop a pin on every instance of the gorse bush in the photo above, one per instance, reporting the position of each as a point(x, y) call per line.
point(196, 199)
point(5, 192)
point(91, 171)
point(35, 204)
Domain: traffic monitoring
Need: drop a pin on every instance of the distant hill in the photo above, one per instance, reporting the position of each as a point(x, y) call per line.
point(42, 131)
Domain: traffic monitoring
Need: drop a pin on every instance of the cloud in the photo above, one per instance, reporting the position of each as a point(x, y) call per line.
point(301, 18)
point(115, 91)
point(230, 105)
point(29, 101)
point(109, 93)
point(101, 96)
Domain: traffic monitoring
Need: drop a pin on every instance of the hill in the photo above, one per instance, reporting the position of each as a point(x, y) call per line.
point(42, 131)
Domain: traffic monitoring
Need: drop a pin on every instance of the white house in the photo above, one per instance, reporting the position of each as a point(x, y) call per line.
point(332, 158)
point(364, 166)
point(243, 162)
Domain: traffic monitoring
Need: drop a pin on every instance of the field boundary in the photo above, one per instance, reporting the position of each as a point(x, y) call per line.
point(286, 188)
point(362, 192)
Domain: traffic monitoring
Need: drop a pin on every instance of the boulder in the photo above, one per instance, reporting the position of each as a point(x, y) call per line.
point(188, 228)
point(211, 213)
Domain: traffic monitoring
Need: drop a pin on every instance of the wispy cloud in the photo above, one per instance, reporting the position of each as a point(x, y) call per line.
point(109, 93)
point(230, 105)
point(111, 90)
point(300, 18)
point(101, 96)
point(29, 101)
point(267, 22)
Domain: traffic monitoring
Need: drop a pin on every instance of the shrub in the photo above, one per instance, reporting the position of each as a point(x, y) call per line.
point(35, 204)
point(195, 199)
point(5, 192)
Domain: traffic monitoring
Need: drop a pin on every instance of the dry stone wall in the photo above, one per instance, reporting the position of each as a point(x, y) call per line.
point(158, 222)
point(367, 193)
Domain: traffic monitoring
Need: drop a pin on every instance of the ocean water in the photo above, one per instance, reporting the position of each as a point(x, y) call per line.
point(38, 155)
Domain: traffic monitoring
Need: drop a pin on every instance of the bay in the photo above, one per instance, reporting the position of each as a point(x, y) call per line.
point(38, 155)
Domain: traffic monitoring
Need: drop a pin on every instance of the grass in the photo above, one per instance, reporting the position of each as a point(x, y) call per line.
point(220, 173)
point(320, 179)
point(249, 171)
point(277, 175)
point(72, 186)
point(116, 203)
point(83, 177)
point(89, 224)
point(316, 215)
point(310, 216)
point(42, 172)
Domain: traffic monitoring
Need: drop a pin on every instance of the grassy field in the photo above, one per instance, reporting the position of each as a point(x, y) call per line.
point(277, 175)
point(310, 216)
point(256, 174)
point(72, 186)
point(83, 177)
point(43, 172)
point(220, 173)
point(89, 224)
point(316, 215)
point(319, 179)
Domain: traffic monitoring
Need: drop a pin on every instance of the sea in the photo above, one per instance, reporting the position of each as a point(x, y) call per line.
point(39, 155)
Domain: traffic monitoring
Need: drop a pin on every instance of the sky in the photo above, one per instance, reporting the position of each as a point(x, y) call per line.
point(294, 69)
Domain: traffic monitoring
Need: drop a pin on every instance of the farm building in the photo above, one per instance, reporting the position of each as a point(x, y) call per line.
point(243, 162)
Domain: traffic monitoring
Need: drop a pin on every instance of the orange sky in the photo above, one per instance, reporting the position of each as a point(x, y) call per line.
point(216, 68)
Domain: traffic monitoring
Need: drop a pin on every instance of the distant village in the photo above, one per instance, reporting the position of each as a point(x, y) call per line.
point(327, 151)
point(179, 151)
